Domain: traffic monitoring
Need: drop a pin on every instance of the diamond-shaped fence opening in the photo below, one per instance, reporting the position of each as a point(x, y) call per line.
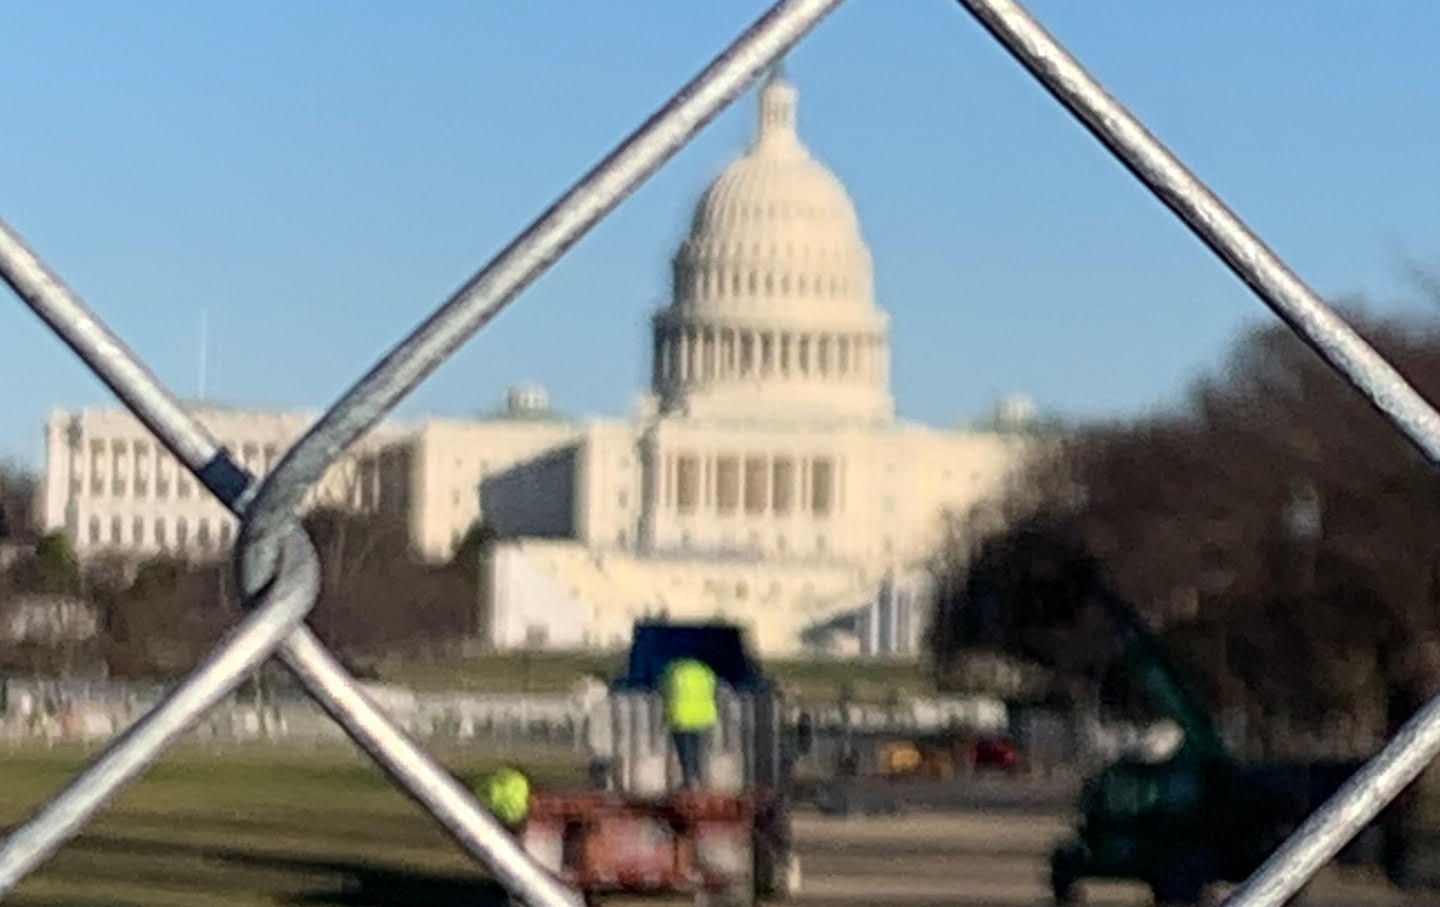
point(278, 567)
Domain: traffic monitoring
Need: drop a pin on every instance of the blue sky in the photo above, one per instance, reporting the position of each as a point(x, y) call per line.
point(318, 176)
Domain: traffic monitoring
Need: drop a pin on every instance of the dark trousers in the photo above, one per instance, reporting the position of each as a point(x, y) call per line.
point(687, 747)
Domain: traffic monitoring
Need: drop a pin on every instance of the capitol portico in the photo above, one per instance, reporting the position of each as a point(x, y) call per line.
point(765, 478)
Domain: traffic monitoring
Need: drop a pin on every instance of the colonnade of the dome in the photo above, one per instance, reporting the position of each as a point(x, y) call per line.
point(688, 352)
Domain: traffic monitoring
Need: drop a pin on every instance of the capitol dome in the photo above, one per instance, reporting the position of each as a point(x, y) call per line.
point(773, 289)
point(776, 229)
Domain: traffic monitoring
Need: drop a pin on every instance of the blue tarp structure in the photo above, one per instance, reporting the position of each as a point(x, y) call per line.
point(721, 646)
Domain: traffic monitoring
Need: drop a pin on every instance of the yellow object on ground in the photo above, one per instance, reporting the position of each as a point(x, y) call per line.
point(689, 690)
point(901, 757)
point(507, 794)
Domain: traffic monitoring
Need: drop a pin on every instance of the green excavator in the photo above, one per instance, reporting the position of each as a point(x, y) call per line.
point(1177, 823)
point(1183, 822)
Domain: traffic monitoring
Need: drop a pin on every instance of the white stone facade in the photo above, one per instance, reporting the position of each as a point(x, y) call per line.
point(764, 478)
point(113, 488)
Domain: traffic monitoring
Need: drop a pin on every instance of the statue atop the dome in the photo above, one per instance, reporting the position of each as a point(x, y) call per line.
point(776, 73)
point(777, 108)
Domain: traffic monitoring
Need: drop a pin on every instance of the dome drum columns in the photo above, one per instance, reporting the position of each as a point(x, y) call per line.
point(688, 354)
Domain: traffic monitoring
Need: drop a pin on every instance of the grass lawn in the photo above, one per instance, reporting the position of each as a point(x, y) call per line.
point(551, 672)
point(256, 826)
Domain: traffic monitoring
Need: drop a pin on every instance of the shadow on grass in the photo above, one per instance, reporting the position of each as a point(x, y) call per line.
point(371, 884)
point(356, 883)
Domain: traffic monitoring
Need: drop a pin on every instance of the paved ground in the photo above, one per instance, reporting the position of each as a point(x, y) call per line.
point(982, 844)
point(979, 860)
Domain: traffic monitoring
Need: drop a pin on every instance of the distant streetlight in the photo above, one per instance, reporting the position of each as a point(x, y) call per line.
point(1303, 516)
point(1304, 524)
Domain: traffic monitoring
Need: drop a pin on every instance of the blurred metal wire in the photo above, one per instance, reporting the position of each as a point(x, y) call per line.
point(1418, 741)
point(279, 569)
point(277, 564)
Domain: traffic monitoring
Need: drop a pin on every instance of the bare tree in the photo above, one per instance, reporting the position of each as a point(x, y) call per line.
point(17, 495)
point(1282, 534)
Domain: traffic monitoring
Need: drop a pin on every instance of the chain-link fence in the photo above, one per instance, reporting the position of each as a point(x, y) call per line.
point(278, 567)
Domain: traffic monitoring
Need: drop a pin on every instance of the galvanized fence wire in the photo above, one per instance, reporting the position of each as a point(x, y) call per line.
point(278, 567)
point(1417, 742)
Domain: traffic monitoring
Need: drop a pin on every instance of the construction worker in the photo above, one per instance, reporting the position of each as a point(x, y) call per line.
point(690, 711)
point(506, 794)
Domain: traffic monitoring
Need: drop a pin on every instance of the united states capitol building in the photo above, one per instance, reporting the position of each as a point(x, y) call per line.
point(764, 479)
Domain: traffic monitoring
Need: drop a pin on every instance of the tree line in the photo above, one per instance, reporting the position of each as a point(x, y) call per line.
point(158, 616)
point(1277, 532)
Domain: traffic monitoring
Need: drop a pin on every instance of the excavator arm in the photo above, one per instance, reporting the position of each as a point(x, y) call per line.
point(1148, 663)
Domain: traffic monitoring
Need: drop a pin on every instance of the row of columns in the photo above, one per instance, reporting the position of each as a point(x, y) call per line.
point(755, 484)
point(689, 353)
point(120, 468)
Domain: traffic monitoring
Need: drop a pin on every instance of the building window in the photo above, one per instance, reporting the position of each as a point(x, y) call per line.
point(271, 455)
point(687, 482)
point(202, 536)
point(822, 486)
point(182, 533)
point(183, 486)
point(225, 533)
point(782, 494)
point(624, 498)
point(160, 540)
point(97, 467)
point(137, 531)
point(94, 530)
point(727, 484)
point(117, 530)
point(118, 461)
point(141, 458)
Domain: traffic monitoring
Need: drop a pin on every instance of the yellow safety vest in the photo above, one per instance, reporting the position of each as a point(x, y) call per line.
point(689, 691)
point(507, 794)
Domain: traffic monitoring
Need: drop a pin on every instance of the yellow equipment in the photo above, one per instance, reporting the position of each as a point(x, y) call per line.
point(507, 795)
